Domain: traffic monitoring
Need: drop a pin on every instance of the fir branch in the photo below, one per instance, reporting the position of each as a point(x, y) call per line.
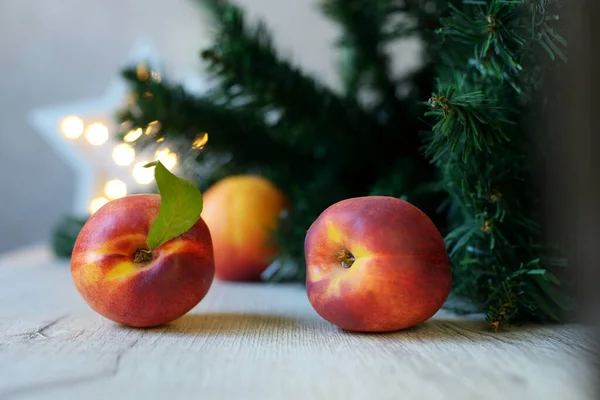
point(247, 64)
point(467, 122)
point(487, 75)
point(366, 32)
point(181, 117)
point(64, 235)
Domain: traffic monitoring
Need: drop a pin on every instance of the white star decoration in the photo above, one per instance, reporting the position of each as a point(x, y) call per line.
point(82, 133)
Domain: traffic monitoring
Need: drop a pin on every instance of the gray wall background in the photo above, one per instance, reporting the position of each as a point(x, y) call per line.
point(64, 50)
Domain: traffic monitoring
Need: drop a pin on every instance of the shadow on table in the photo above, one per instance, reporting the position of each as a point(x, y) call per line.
point(438, 330)
point(465, 331)
point(231, 323)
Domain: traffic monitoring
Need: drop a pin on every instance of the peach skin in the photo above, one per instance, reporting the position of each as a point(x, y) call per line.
point(376, 264)
point(241, 211)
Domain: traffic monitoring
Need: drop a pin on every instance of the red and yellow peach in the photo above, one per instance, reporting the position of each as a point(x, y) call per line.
point(120, 280)
point(376, 264)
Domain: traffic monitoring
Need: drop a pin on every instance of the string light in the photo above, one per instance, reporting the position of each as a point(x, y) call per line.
point(142, 72)
point(166, 157)
point(200, 141)
point(141, 174)
point(133, 135)
point(152, 128)
point(97, 203)
point(123, 154)
point(160, 154)
point(115, 189)
point(90, 131)
point(71, 127)
point(96, 134)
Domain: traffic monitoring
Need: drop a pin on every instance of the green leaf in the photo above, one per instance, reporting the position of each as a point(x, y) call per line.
point(180, 206)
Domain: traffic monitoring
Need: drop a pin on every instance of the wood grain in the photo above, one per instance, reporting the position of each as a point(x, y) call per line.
point(258, 341)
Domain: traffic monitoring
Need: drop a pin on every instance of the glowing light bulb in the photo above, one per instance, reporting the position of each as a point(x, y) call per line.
point(123, 154)
point(170, 161)
point(133, 135)
point(166, 157)
point(71, 127)
point(97, 203)
point(152, 128)
point(142, 72)
point(115, 189)
point(200, 141)
point(143, 175)
point(96, 134)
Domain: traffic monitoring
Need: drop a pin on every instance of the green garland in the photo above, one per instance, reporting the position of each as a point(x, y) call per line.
point(489, 71)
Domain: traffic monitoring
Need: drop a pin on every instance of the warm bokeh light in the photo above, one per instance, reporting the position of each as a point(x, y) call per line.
point(152, 128)
point(97, 203)
point(142, 72)
point(143, 175)
point(156, 76)
point(96, 134)
point(72, 127)
point(166, 157)
point(200, 141)
point(115, 189)
point(123, 154)
point(133, 135)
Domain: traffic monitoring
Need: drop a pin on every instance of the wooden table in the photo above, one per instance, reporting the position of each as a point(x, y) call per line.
point(258, 341)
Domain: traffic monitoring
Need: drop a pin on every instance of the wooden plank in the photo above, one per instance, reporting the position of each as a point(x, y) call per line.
point(258, 341)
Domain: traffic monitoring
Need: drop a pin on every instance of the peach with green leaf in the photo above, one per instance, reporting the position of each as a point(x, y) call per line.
point(145, 260)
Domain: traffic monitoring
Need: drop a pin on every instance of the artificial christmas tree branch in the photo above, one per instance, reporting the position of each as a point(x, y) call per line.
point(247, 64)
point(183, 117)
point(364, 38)
point(481, 143)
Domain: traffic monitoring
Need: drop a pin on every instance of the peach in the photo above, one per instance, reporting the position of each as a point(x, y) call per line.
point(241, 212)
point(116, 276)
point(376, 264)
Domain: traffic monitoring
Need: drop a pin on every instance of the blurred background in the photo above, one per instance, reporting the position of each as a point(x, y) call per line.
point(71, 50)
